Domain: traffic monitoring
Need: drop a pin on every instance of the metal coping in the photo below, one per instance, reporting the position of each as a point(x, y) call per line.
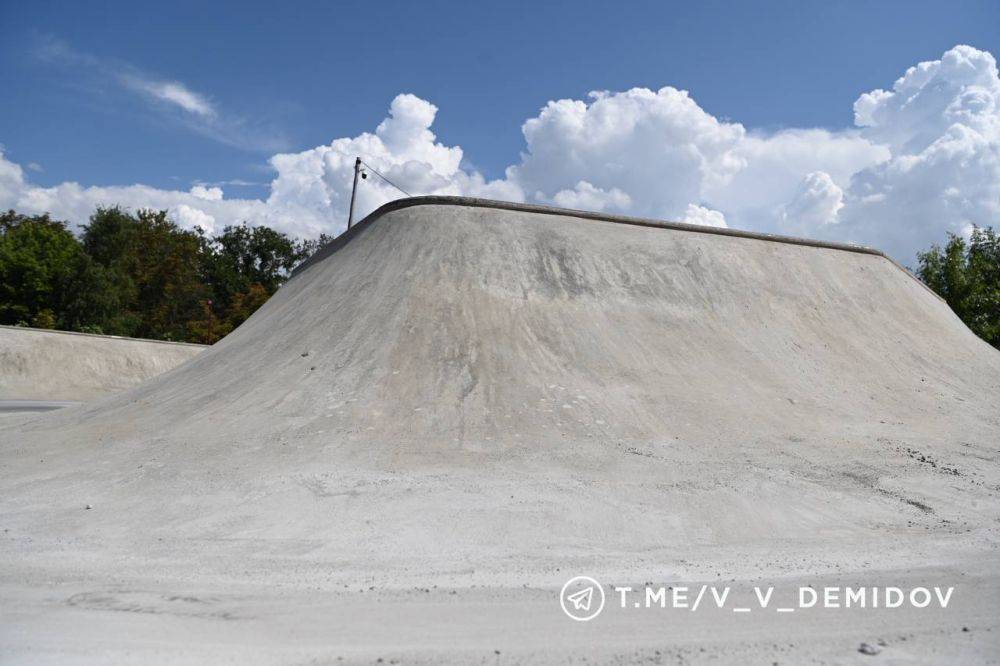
point(101, 336)
point(471, 202)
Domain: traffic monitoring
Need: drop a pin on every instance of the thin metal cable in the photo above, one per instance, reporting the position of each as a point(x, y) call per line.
point(377, 173)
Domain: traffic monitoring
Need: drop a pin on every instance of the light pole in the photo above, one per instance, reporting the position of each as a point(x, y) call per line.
point(354, 191)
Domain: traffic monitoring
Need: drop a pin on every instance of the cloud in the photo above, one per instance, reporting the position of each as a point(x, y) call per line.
point(192, 218)
point(961, 88)
point(658, 154)
point(941, 122)
point(639, 151)
point(313, 187)
point(169, 99)
point(758, 196)
point(585, 196)
point(815, 205)
point(74, 202)
point(207, 193)
point(172, 92)
point(310, 192)
point(236, 182)
point(704, 216)
point(923, 159)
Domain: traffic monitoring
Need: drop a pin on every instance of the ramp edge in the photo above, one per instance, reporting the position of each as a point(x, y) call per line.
point(103, 336)
point(472, 202)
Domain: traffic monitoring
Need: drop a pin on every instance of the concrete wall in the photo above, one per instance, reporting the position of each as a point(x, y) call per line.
point(37, 364)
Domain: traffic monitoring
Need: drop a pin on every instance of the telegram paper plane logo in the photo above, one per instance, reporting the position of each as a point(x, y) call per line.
point(582, 598)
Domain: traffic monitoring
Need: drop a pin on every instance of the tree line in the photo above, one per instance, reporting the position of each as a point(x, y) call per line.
point(138, 274)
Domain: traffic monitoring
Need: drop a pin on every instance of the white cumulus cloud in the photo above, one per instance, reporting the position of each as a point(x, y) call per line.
point(757, 197)
point(707, 217)
point(815, 205)
point(585, 196)
point(206, 193)
point(941, 122)
point(648, 153)
point(191, 218)
point(312, 190)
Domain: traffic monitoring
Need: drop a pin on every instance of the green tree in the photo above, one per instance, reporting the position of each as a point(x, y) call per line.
point(46, 278)
point(242, 256)
point(242, 267)
point(967, 276)
point(156, 267)
point(139, 274)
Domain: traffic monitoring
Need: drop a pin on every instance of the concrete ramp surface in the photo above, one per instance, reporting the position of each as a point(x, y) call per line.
point(462, 404)
point(37, 364)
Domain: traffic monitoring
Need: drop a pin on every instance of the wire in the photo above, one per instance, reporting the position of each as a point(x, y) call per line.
point(376, 171)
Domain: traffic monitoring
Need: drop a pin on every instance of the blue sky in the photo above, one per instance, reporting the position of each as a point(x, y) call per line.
point(284, 79)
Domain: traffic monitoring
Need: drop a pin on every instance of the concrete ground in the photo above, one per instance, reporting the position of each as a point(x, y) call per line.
point(19, 406)
point(411, 447)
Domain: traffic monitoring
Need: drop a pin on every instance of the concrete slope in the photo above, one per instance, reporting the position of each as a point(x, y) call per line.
point(463, 394)
point(37, 364)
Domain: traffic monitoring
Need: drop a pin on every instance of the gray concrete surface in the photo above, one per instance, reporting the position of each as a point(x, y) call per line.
point(417, 440)
point(41, 364)
point(34, 405)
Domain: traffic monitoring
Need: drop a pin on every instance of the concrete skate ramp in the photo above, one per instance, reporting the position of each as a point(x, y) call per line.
point(465, 395)
point(37, 364)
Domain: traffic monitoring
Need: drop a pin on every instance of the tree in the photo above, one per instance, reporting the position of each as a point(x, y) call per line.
point(139, 274)
point(308, 248)
point(243, 267)
point(967, 276)
point(46, 278)
point(242, 256)
point(208, 328)
point(156, 266)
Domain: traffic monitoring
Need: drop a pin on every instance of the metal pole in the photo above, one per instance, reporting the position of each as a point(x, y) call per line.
point(354, 191)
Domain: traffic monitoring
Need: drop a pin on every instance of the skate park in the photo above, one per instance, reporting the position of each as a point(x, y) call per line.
point(459, 404)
